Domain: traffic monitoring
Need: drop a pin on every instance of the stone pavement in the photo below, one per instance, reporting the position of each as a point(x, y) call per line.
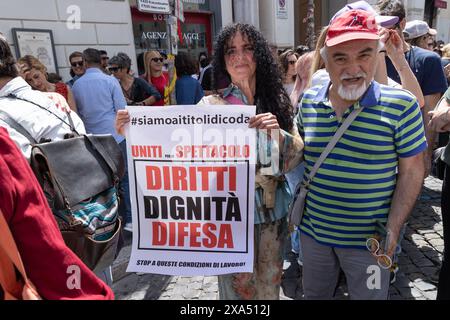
point(419, 263)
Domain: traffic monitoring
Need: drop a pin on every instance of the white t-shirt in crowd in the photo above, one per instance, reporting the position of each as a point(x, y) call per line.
point(38, 122)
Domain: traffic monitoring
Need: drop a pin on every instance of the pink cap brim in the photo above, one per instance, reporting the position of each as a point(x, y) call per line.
point(351, 36)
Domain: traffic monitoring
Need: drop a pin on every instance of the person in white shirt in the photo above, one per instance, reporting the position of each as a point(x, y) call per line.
point(36, 115)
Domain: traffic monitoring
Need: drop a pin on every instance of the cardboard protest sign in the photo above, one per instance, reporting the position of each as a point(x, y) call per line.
point(192, 183)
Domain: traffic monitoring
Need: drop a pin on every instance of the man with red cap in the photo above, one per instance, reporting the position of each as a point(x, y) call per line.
point(366, 187)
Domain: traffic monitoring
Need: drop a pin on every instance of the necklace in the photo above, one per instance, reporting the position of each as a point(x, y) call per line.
point(127, 92)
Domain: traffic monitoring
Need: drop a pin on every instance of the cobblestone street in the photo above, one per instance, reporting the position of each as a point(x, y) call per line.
point(419, 263)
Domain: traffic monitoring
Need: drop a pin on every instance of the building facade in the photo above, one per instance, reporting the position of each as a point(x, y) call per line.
point(435, 12)
point(202, 20)
point(119, 26)
point(75, 25)
point(274, 18)
point(111, 25)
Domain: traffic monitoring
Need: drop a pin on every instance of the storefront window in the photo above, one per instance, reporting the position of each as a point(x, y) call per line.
point(195, 36)
point(151, 33)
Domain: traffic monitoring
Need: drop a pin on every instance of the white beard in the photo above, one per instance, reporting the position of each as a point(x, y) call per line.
point(352, 93)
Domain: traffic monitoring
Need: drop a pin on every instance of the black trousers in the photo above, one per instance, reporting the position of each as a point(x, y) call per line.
point(444, 275)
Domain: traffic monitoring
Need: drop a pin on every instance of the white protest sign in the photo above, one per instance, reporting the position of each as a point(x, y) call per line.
point(192, 183)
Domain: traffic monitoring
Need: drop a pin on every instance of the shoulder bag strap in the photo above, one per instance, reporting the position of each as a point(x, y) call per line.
point(16, 126)
point(330, 146)
point(70, 125)
point(105, 155)
point(10, 260)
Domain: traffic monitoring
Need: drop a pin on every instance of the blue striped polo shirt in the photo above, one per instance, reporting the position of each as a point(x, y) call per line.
point(353, 188)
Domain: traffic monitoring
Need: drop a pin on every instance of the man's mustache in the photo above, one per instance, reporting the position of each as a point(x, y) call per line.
point(360, 74)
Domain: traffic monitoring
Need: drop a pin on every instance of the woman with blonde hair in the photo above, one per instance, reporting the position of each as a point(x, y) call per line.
point(446, 61)
point(446, 51)
point(318, 72)
point(35, 74)
point(155, 75)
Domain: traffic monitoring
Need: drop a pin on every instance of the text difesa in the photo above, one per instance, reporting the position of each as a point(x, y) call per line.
point(194, 221)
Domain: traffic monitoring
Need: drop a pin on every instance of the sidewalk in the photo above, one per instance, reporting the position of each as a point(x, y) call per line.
point(419, 263)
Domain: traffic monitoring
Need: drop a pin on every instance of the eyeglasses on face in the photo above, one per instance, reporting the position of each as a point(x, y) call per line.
point(158, 60)
point(105, 58)
point(77, 64)
point(114, 69)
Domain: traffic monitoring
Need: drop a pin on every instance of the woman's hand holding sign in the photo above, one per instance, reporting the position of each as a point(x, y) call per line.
point(266, 121)
point(122, 119)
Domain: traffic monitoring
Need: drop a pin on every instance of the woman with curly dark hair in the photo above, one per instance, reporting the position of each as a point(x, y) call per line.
point(242, 53)
point(267, 92)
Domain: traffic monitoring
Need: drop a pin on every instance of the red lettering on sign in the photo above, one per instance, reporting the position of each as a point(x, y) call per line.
point(153, 178)
point(196, 235)
point(185, 178)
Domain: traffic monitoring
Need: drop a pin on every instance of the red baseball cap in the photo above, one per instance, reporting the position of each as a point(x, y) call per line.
point(352, 25)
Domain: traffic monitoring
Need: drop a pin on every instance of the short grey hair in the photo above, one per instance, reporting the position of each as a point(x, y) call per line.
point(122, 60)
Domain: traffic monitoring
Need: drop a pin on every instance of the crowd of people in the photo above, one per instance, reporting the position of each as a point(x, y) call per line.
point(369, 63)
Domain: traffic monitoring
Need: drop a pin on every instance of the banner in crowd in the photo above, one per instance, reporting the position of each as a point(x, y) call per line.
point(192, 182)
